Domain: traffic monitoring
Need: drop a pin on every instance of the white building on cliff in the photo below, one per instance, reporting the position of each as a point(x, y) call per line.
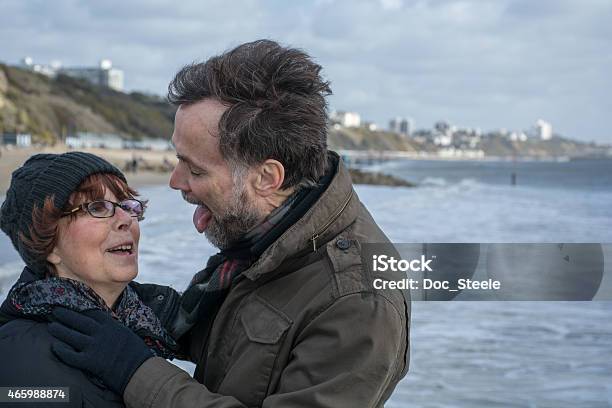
point(104, 75)
point(543, 129)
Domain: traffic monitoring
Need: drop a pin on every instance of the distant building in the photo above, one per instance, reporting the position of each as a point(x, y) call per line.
point(103, 75)
point(452, 152)
point(518, 136)
point(443, 140)
point(407, 126)
point(346, 119)
point(442, 127)
point(17, 139)
point(89, 139)
point(371, 126)
point(443, 133)
point(543, 129)
point(394, 125)
point(404, 126)
point(465, 138)
point(47, 70)
point(148, 144)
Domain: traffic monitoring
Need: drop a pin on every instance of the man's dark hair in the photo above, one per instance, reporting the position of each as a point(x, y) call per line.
point(277, 108)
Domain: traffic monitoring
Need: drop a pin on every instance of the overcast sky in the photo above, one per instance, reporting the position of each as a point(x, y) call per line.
point(489, 64)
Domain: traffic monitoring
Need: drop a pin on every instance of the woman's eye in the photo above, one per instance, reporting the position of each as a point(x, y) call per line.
point(98, 207)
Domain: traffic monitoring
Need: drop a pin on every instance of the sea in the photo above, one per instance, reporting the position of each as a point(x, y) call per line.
point(463, 354)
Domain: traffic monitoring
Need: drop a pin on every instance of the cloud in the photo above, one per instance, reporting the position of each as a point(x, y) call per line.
point(477, 63)
point(391, 4)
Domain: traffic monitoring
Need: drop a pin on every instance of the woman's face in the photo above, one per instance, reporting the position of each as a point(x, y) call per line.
point(84, 250)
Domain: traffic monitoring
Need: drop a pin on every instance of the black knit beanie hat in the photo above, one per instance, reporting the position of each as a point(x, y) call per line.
point(42, 176)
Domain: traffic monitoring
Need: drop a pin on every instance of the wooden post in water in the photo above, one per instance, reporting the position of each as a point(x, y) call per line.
point(513, 175)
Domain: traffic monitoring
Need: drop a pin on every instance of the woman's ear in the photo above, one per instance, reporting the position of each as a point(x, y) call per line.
point(54, 257)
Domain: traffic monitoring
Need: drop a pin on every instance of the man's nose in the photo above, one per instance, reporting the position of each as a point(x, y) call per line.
point(177, 179)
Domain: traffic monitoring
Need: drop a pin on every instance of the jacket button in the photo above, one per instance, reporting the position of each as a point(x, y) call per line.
point(160, 297)
point(343, 243)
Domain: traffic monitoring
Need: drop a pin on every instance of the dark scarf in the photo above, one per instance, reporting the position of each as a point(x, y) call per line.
point(36, 299)
point(210, 286)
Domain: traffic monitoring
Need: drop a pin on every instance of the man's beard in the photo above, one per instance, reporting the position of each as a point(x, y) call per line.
point(239, 218)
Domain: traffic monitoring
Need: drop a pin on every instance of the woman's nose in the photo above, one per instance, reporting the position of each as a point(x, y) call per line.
point(123, 220)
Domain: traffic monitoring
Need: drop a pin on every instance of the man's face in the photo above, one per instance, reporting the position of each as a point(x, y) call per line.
point(224, 210)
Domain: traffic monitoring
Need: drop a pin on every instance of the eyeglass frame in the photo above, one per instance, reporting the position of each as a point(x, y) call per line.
point(83, 207)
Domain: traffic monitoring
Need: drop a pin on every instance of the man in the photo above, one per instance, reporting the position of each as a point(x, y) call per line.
point(286, 314)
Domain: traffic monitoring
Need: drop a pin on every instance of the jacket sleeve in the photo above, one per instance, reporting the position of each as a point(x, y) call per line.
point(351, 354)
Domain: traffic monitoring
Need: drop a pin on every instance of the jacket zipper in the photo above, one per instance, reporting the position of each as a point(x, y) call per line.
point(330, 222)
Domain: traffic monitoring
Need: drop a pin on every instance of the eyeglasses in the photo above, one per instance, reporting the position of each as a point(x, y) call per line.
point(106, 209)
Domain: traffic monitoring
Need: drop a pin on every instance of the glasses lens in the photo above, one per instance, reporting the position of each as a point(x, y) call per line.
point(132, 207)
point(101, 209)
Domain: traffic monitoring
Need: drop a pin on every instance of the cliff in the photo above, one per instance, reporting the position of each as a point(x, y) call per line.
point(51, 108)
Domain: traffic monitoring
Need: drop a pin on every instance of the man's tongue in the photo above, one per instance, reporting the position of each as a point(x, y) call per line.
point(201, 218)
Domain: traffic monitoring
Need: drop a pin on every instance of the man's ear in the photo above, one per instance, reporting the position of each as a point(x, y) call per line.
point(268, 177)
point(54, 257)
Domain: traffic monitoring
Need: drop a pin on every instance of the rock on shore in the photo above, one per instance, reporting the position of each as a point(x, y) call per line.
point(380, 179)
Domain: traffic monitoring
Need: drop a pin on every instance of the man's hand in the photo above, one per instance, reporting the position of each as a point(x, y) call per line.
point(95, 342)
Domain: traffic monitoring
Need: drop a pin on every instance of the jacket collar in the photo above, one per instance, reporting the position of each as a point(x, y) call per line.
point(335, 210)
point(8, 311)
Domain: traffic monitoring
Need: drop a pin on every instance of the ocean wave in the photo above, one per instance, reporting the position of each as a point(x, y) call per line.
point(444, 182)
point(434, 182)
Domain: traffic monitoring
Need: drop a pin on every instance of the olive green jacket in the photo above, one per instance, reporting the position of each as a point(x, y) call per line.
point(303, 327)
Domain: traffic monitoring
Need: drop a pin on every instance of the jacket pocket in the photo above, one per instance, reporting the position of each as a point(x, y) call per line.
point(263, 323)
point(252, 367)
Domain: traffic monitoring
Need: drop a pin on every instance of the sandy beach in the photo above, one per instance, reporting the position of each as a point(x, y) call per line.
point(13, 158)
point(154, 167)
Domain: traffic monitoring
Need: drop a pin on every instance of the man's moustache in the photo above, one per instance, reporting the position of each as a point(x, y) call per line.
point(189, 199)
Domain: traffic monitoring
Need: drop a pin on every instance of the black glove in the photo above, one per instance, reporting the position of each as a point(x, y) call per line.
point(95, 342)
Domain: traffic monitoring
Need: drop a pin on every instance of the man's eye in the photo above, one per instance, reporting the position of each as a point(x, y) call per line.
point(196, 172)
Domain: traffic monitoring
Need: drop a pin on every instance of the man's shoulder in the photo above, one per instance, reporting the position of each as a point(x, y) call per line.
point(346, 254)
point(336, 270)
point(351, 269)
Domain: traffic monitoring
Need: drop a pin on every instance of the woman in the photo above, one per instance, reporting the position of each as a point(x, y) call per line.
point(74, 221)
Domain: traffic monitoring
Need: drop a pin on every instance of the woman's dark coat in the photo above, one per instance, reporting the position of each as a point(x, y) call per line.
point(28, 361)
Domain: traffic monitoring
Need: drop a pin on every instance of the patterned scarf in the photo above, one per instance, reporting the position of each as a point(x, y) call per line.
point(36, 299)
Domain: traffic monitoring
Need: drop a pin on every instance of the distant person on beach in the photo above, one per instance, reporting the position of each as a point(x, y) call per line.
point(131, 165)
point(74, 221)
point(167, 164)
point(285, 315)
